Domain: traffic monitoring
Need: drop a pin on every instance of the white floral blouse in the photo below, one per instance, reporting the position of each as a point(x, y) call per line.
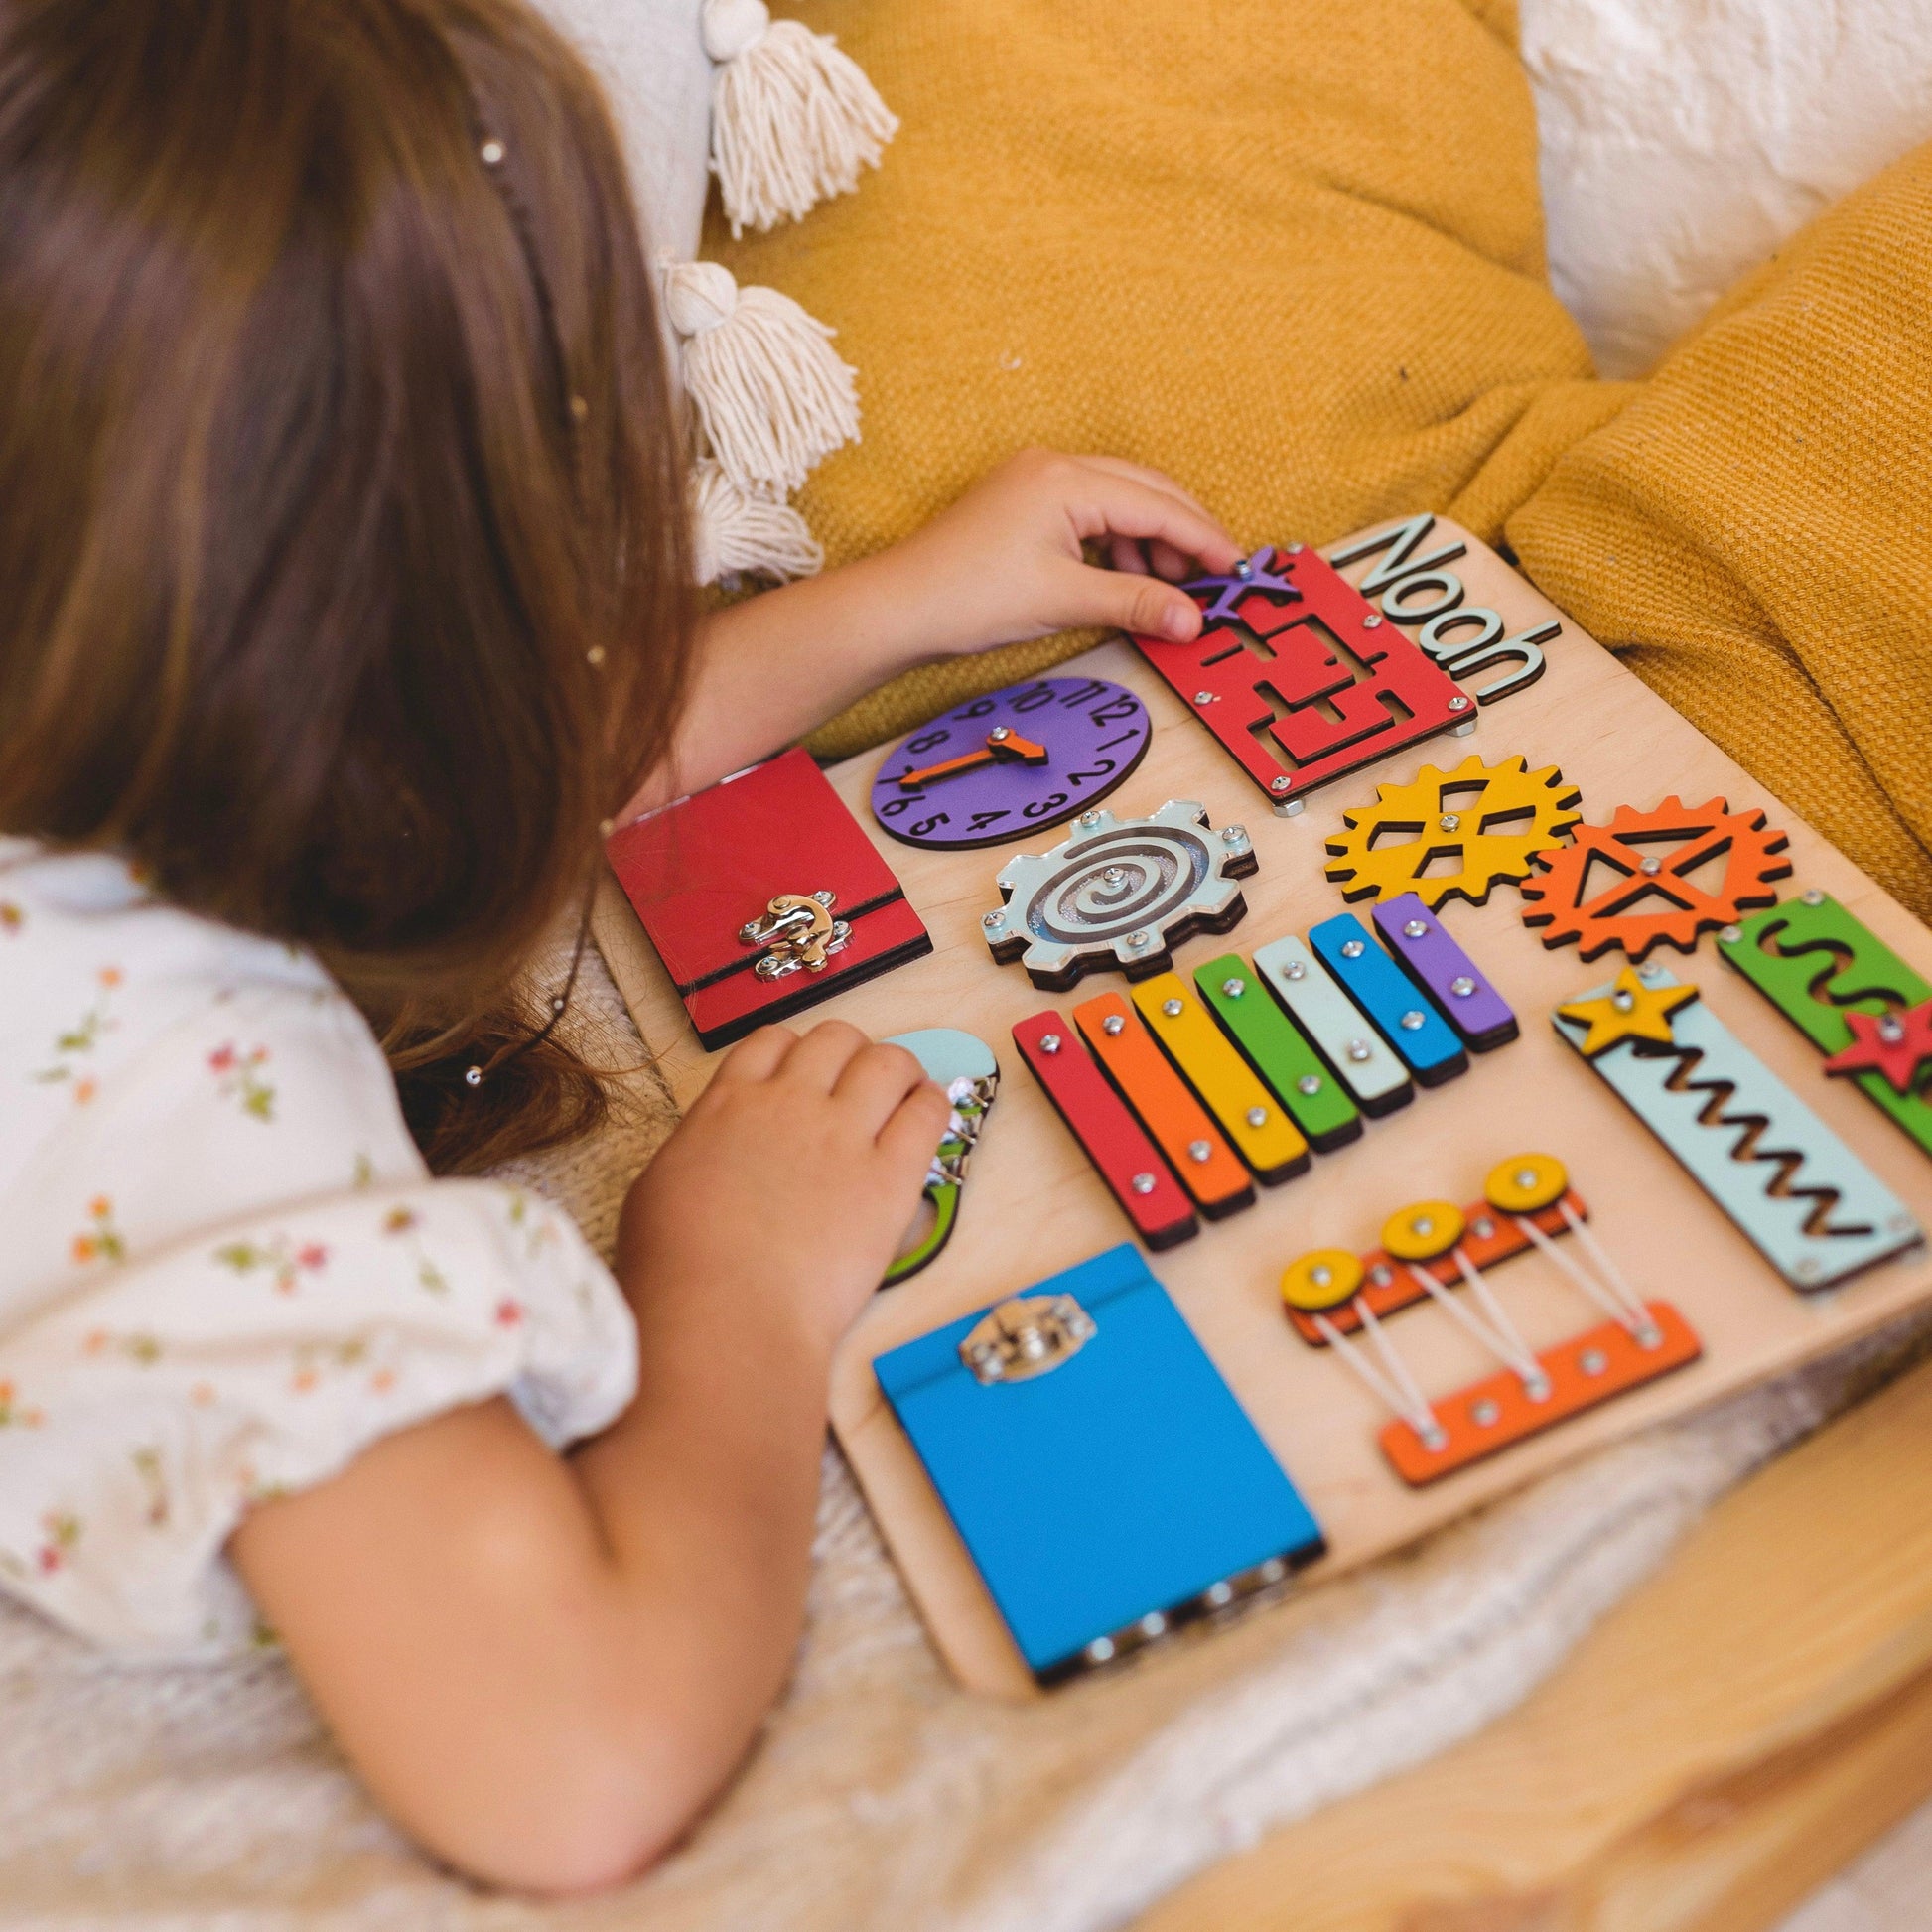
point(224, 1270)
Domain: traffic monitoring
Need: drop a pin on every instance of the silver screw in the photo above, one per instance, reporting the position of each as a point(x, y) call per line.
point(1089, 819)
point(1172, 1008)
point(1482, 1228)
point(1352, 950)
point(1813, 897)
point(1049, 1042)
point(1525, 1178)
point(1234, 835)
point(1459, 703)
point(1233, 989)
point(1411, 1022)
point(993, 918)
point(1652, 866)
point(1203, 697)
point(1414, 929)
point(1309, 1083)
point(1220, 1594)
point(1243, 570)
point(1450, 821)
point(1152, 1624)
point(1295, 549)
point(1593, 1361)
point(1099, 1650)
point(1463, 986)
point(1425, 1225)
point(1623, 1001)
point(1370, 621)
point(1730, 935)
point(1273, 1571)
point(1139, 941)
point(1485, 1413)
point(1200, 1152)
point(1891, 1030)
point(1297, 970)
point(1112, 875)
point(1381, 1273)
point(1321, 1273)
point(1808, 1270)
point(1279, 785)
point(1112, 1024)
point(1000, 734)
point(1359, 1049)
point(1257, 1116)
point(1141, 1184)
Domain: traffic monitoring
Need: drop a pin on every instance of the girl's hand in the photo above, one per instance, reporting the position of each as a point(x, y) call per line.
point(1007, 562)
point(783, 1195)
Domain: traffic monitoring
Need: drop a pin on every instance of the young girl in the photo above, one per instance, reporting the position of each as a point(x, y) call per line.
point(342, 601)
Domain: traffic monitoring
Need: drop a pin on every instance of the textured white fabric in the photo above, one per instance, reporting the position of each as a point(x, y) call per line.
point(225, 1271)
point(651, 57)
point(1684, 140)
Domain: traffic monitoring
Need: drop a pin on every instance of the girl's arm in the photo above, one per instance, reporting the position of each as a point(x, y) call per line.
point(1005, 562)
point(542, 1667)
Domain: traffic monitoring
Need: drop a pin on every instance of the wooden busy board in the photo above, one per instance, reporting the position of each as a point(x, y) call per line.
point(1033, 1206)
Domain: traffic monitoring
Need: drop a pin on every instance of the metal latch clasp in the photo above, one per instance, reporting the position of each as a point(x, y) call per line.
point(1032, 1334)
point(796, 929)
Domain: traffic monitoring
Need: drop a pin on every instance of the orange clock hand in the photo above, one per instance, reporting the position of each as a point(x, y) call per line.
point(1002, 741)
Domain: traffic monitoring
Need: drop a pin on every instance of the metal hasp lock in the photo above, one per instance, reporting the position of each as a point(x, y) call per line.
point(796, 929)
point(1028, 1335)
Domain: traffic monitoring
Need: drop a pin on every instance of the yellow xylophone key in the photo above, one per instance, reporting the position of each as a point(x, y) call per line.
point(1252, 1118)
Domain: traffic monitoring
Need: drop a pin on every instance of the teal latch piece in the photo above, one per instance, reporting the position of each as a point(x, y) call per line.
point(1814, 1211)
point(964, 1065)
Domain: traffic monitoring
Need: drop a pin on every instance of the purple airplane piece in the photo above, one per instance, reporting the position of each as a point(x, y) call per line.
point(1254, 575)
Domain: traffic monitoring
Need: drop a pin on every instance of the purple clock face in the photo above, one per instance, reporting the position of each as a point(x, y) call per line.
point(996, 769)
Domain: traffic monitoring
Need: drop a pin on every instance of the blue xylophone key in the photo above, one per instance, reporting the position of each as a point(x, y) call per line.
point(1400, 1014)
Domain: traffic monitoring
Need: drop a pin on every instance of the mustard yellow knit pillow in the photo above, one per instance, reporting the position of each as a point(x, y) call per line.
point(1289, 250)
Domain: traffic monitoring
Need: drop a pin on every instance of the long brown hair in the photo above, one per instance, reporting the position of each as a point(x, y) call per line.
point(342, 553)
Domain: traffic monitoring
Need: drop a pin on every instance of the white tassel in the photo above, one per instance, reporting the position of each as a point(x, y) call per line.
point(736, 535)
point(793, 119)
point(772, 397)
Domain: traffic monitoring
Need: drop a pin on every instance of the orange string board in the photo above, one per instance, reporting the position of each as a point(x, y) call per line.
point(1037, 1205)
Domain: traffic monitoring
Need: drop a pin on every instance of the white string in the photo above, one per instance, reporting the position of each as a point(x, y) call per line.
point(1396, 1389)
point(1612, 1293)
point(1502, 1340)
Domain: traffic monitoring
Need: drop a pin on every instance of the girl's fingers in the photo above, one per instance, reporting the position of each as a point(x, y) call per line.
point(1131, 602)
point(756, 1056)
point(874, 1082)
point(1125, 554)
point(916, 1127)
point(1116, 506)
point(822, 1057)
point(1167, 562)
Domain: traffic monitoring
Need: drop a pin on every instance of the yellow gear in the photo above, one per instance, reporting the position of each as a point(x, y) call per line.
point(1449, 812)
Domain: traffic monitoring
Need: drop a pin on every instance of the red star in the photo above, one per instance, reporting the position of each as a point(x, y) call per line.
point(1896, 1044)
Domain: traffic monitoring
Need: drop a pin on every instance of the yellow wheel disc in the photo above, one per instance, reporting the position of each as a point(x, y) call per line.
point(1421, 1232)
point(1323, 1280)
point(1526, 1183)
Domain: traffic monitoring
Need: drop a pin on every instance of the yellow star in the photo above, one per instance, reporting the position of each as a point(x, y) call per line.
point(1629, 1010)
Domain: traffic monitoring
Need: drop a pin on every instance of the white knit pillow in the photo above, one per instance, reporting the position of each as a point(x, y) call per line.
point(651, 57)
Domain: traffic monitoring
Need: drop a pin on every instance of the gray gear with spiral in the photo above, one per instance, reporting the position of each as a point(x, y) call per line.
point(1120, 893)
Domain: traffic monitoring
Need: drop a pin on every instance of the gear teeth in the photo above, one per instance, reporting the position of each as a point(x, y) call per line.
point(1750, 848)
point(1488, 857)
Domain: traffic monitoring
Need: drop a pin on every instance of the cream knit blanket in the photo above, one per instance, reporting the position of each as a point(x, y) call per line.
point(880, 1798)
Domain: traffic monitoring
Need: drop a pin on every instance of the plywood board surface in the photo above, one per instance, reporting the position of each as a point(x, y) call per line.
point(1032, 1205)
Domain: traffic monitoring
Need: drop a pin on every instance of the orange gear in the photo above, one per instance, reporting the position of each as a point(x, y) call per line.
point(1601, 920)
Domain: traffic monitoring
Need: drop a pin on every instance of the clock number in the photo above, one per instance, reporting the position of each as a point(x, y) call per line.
point(1100, 771)
point(1122, 738)
point(1115, 709)
point(1033, 697)
point(925, 826)
point(979, 708)
point(1082, 692)
point(981, 820)
point(927, 740)
point(894, 806)
point(1041, 807)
